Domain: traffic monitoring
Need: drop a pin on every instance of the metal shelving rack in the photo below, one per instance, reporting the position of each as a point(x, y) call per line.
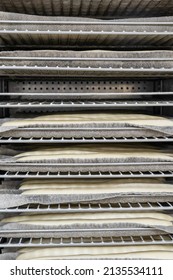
point(35, 88)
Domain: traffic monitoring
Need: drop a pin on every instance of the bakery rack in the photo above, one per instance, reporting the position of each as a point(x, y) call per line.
point(89, 207)
point(99, 241)
point(37, 89)
point(80, 140)
point(78, 175)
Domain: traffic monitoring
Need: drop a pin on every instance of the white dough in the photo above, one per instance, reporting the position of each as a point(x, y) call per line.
point(140, 251)
point(146, 218)
point(90, 182)
point(51, 186)
point(93, 152)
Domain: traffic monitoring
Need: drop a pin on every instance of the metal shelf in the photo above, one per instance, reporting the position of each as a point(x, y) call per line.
point(83, 104)
point(77, 175)
point(92, 241)
point(96, 207)
point(100, 9)
point(109, 38)
point(18, 140)
point(69, 69)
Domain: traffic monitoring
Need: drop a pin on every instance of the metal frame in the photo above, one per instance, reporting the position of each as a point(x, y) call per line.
point(155, 38)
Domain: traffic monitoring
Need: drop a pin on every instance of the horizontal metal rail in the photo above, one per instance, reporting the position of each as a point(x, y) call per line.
point(49, 94)
point(83, 104)
point(40, 58)
point(101, 22)
point(96, 207)
point(88, 69)
point(91, 32)
point(6, 140)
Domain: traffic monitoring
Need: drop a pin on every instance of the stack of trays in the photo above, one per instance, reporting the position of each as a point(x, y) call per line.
point(93, 199)
point(86, 219)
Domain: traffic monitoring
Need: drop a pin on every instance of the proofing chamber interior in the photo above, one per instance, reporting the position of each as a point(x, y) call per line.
point(95, 77)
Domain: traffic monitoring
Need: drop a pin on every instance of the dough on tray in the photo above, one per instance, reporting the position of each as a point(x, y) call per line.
point(90, 118)
point(131, 251)
point(93, 152)
point(68, 219)
point(96, 186)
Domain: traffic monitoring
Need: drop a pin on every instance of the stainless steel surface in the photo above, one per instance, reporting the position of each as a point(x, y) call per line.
point(85, 86)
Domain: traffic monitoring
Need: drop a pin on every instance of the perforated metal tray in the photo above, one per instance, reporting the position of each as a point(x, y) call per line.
point(83, 88)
